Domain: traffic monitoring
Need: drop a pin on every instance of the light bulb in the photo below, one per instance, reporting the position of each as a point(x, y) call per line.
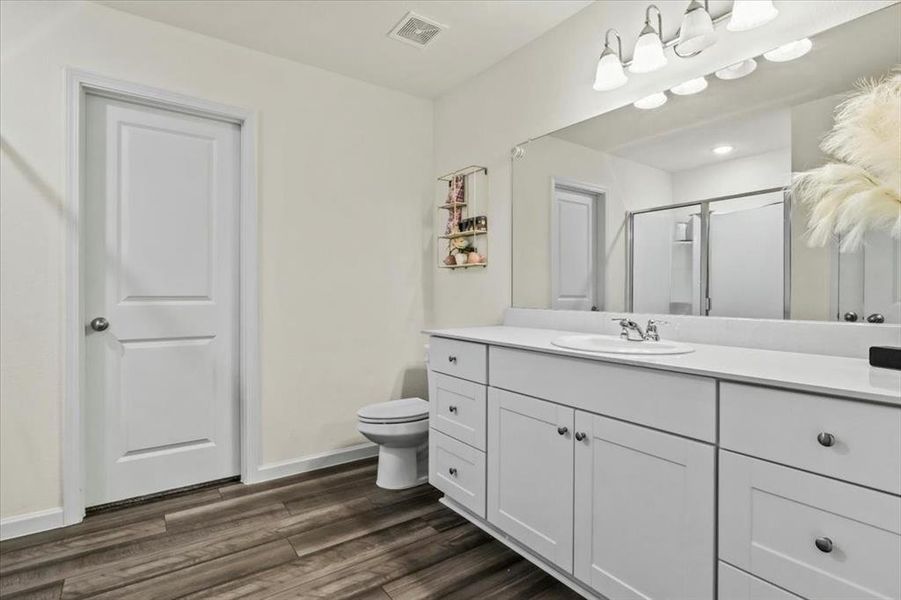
point(692, 86)
point(750, 14)
point(738, 70)
point(609, 74)
point(653, 101)
point(697, 32)
point(723, 149)
point(789, 51)
point(648, 55)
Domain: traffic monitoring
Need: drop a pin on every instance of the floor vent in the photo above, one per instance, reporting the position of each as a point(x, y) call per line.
point(416, 30)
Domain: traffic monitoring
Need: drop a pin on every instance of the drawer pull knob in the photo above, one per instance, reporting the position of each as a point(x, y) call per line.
point(826, 439)
point(452, 408)
point(452, 471)
point(452, 359)
point(580, 436)
point(562, 430)
point(824, 544)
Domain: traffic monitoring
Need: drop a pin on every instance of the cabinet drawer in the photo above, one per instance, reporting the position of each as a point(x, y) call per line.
point(735, 584)
point(457, 470)
point(814, 536)
point(784, 427)
point(458, 408)
point(684, 404)
point(465, 360)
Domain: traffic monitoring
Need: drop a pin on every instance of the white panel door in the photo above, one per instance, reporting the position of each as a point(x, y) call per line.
point(882, 277)
point(573, 251)
point(161, 266)
point(530, 473)
point(644, 511)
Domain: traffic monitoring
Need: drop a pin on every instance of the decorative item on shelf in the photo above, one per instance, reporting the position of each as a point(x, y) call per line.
point(481, 223)
point(860, 190)
point(466, 188)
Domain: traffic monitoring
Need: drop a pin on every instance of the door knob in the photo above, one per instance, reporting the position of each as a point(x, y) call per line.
point(99, 324)
point(580, 436)
point(452, 408)
point(562, 430)
point(452, 471)
point(875, 318)
point(826, 439)
point(452, 359)
point(824, 544)
point(851, 316)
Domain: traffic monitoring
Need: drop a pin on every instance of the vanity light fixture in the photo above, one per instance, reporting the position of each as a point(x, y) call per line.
point(751, 14)
point(789, 51)
point(610, 74)
point(648, 55)
point(692, 86)
point(723, 149)
point(697, 32)
point(738, 70)
point(653, 101)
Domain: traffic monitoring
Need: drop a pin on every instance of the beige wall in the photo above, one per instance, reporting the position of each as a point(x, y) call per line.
point(339, 162)
point(629, 186)
point(547, 85)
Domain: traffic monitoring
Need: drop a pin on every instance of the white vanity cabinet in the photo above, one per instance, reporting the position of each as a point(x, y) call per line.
point(644, 511)
point(631, 482)
point(530, 473)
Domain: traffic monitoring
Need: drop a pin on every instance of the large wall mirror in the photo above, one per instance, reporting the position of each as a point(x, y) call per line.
point(686, 208)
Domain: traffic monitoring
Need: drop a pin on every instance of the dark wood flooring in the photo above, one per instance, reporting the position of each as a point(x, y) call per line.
point(330, 534)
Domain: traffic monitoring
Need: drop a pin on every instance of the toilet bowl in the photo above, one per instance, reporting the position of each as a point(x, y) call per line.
point(401, 429)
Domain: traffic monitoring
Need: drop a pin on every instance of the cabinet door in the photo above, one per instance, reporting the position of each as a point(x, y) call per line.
point(644, 511)
point(530, 473)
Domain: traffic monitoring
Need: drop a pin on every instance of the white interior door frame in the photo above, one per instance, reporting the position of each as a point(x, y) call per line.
point(600, 252)
point(78, 83)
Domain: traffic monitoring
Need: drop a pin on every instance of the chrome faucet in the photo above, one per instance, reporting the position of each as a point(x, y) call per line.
point(629, 327)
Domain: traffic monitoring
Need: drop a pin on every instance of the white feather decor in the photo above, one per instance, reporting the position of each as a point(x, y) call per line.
point(860, 190)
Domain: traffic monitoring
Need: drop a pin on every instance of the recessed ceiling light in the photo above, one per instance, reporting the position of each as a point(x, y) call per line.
point(723, 149)
point(738, 70)
point(789, 51)
point(692, 86)
point(652, 101)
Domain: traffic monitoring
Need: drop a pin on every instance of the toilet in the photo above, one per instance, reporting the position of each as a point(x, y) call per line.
point(401, 429)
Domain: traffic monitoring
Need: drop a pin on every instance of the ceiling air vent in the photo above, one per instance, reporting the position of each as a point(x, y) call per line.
point(416, 30)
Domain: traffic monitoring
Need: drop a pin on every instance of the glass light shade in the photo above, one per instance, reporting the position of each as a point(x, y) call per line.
point(697, 32)
point(789, 51)
point(751, 14)
point(738, 70)
point(652, 101)
point(692, 86)
point(609, 74)
point(648, 55)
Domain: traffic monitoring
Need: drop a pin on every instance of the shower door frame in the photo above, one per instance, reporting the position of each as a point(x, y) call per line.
point(704, 206)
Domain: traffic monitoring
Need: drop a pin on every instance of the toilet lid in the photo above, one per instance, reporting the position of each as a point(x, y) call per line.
point(395, 411)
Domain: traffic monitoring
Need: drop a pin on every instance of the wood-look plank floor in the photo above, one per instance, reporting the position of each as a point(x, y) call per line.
point(331, 534)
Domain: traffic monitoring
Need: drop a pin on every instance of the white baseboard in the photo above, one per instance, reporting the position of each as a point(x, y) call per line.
point(313, 462)
point(42, 520)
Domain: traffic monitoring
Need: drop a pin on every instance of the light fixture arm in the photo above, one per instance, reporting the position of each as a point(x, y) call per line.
point(619, 42)
point(647, 20)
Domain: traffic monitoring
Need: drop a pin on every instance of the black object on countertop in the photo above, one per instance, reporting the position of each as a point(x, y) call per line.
point(885, 356)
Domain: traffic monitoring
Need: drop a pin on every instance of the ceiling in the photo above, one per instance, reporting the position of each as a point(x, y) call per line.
point(691, 148)
point(665, 137)
point(349, 36)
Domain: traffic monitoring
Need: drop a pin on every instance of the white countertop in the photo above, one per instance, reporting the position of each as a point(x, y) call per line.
point(833, 375)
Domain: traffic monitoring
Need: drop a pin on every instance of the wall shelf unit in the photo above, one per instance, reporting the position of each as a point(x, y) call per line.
point(463, 222)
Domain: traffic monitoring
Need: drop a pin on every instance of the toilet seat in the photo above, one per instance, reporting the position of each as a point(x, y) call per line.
point(408, 410)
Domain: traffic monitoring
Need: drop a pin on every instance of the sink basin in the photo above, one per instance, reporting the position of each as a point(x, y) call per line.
point(615, 345)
